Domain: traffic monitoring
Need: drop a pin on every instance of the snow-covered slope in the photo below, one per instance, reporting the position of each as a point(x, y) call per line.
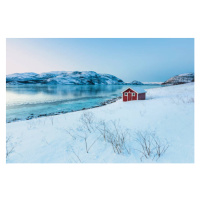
point(66, 78)
point(180, 79)
point(168, 111)
point(21, 77)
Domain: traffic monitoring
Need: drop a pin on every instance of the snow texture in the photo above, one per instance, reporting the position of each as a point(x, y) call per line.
point(168, 111)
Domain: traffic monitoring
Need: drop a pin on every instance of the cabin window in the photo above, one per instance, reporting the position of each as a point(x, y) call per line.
point(133, 94)
point(126, 94)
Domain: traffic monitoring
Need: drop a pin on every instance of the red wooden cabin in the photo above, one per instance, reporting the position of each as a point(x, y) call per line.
point(134, 94)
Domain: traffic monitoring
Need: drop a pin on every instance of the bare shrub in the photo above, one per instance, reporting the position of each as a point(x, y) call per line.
point(51, 119)
point(87, 129)
point(103, 129)
point(45, 140)
point(32, 124)
point(87, 121)
point(90, 130)
point(160, 147)
point(182, 99)
point(71, 134)
point(88, 145)
point(9, 147)
point(190, 100)
point(111, 132)
point(75, 154)
point(150, 146)
point(115, 135)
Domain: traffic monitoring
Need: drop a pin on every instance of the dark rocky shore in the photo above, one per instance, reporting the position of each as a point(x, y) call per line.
point(32, 116)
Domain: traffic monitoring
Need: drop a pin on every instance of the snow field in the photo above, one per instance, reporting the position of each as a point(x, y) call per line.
point(168, 112)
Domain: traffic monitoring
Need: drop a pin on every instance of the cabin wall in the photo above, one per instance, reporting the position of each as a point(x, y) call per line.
point(124, 97)
point(133, 97)
point(129, 97)
point(142, 96)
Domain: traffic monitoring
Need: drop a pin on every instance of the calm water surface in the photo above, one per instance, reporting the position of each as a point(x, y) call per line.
point(23, 101)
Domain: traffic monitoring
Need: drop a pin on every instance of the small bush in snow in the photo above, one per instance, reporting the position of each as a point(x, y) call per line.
point(91, 130)
point(87, 121)
point(150, 146)
point(87, 129)
point(51, 119)
point(182, 99)
point(114, 134)
point(9, 147)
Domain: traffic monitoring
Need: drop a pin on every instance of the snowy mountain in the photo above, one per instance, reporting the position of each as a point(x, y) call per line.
point(180, 79)
point(66, 78)
point(135, 83)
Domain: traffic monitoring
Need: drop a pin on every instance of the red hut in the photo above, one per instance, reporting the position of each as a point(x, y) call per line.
point(134, 94)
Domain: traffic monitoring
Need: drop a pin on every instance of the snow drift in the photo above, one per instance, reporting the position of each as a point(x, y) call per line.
point(168, 112)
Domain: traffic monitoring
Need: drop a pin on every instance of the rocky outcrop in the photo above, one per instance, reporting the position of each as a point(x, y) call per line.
point(135, 83)
point(180, 79)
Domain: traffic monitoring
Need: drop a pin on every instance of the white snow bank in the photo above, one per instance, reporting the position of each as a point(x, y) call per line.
point(169, 111)
point(152, 83)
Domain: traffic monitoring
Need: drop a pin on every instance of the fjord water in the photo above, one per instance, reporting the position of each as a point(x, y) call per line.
point(23, 101)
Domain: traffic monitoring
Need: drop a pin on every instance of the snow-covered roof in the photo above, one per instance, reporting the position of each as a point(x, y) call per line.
point(139, 90)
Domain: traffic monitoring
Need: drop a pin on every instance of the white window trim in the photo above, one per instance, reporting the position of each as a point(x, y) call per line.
point(126, 94)
point(133, 94)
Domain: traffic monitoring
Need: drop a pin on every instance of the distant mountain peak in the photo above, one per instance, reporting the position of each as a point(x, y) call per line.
point(180, 79)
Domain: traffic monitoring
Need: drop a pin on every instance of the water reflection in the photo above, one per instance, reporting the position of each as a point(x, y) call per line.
point(64, 90)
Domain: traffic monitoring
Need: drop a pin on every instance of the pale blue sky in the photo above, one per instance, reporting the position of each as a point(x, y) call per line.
point(128, 59)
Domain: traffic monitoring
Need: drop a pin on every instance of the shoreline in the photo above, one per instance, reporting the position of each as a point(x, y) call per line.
point(109, 101)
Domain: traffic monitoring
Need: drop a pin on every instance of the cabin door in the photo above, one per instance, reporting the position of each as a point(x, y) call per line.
point(129, 96)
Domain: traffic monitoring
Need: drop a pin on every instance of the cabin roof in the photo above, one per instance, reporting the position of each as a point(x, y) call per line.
point(138, 90)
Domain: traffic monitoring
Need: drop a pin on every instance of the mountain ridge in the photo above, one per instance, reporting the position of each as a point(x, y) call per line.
point(180, 79)
point(85, 78)
point(66, 78)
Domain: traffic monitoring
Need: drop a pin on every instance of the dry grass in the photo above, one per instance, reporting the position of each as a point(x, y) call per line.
point(150, 146)
point(122, 142)
point(9, 147)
